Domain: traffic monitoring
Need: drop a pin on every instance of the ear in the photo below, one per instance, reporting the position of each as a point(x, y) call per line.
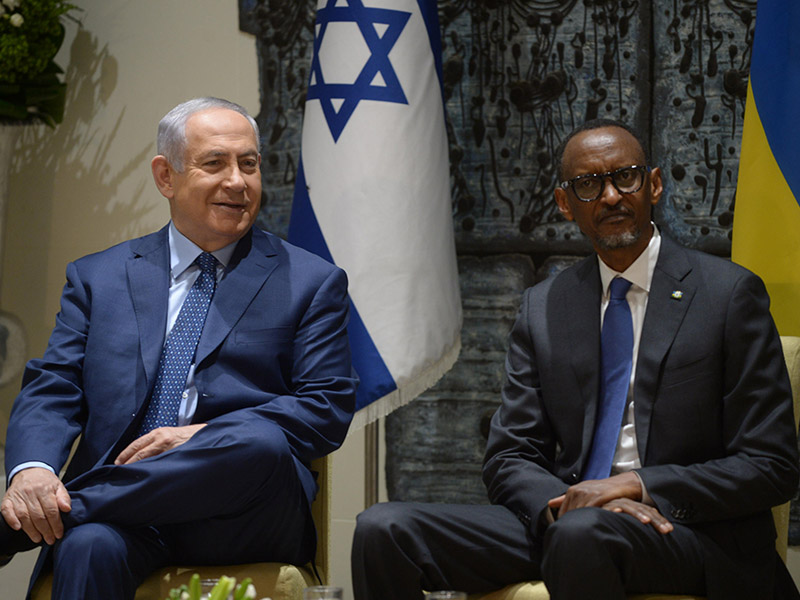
point(563, 205)
point(163, 176)
point(656, 186)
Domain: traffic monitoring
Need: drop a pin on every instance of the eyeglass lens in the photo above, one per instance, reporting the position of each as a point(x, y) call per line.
point(627, 181)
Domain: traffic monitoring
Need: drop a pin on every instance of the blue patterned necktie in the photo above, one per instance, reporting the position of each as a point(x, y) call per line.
point(178, 352)
point(616, 361)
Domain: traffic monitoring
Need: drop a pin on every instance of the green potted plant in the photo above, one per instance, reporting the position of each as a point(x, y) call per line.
point(31, 33)
point(224, 589)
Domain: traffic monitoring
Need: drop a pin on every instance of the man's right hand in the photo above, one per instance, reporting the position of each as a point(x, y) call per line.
point(34, 502)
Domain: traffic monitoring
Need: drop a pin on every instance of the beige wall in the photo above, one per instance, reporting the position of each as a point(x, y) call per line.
point(87, 184)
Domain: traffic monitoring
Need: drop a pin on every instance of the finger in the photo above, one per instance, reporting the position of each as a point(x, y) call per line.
point(129, 451)
point(126, 453)
point(559, 504)
point(146, 451)
point(23, 520)
point(134, 457)
point(648, 514)
point(30, 525)
point(661, 524)
point(636, 511)
point(10, 515)
point(42, 511)
point(55, 529)
point(576, 496)
point(644, 513)
point(62, 498)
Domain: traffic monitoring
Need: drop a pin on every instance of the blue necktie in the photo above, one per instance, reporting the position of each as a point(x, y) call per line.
point(616, 360)
point(178, 352)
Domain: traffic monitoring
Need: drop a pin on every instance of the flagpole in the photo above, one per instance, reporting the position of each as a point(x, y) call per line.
point(371, 461)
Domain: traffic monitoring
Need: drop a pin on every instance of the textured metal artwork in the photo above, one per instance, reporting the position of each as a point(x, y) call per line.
point(284, 43)
point(518, 75)
point(701, 58)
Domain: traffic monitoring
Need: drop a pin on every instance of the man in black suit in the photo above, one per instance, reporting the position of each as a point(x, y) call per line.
point(703, 443)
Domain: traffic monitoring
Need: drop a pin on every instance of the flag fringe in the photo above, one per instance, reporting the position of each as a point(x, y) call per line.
point(405, 394)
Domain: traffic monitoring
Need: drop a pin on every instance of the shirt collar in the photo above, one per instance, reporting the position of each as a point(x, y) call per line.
point(183, 252)
point(640, 273)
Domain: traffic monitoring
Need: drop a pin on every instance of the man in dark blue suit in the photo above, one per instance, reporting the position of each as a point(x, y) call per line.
point(220, 473)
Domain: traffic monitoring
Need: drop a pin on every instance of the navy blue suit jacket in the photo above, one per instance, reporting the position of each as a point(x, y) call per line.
point(274, 347)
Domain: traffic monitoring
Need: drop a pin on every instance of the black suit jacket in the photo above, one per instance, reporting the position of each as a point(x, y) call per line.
point(713, 408)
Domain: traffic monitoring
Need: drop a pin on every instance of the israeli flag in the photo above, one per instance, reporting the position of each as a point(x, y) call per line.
point(372, 192)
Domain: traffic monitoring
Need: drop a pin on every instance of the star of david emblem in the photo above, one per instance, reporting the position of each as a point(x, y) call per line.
point(380, 28)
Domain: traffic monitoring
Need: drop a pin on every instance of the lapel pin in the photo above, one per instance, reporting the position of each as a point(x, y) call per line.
point(677, 294)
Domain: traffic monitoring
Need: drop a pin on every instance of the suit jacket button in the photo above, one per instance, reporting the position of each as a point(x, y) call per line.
point(574, 477)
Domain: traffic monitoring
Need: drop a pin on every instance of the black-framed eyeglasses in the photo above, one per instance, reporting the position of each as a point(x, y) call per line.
point(588, 188)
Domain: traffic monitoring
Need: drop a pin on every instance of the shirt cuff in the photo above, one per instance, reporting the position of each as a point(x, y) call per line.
point(28, 465)
point(646, 499)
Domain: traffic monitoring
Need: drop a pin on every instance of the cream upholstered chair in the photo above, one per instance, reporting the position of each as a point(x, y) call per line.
point(536, 590)
point(278, 581)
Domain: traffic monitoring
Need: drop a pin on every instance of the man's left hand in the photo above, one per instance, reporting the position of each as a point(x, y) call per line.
point(598, 492)
point(157, 442)
point(645, 513)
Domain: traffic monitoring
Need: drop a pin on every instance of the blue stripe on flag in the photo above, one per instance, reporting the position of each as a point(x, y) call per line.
point(430, 15)
point(304, 231)
point(775, 79)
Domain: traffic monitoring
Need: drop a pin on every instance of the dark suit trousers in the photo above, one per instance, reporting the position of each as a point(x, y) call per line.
point(229, 495)
point(400, 549)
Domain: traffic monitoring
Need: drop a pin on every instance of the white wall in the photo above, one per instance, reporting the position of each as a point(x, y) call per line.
point(87, 185)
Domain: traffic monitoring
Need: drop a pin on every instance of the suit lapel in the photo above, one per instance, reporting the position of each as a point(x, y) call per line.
point(669, 299)
point(148, 278)
point(580, 300)
point(251, 265)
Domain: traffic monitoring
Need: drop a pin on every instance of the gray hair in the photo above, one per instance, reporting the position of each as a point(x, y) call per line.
point(172, 128)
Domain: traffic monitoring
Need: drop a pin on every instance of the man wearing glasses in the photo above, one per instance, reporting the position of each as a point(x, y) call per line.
point(645, 429)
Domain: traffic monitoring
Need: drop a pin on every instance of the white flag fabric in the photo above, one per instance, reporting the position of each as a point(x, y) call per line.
point(372, 192)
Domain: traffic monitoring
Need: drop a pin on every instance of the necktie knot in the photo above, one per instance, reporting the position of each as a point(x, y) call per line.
point(207, 263)
point(619, 288)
